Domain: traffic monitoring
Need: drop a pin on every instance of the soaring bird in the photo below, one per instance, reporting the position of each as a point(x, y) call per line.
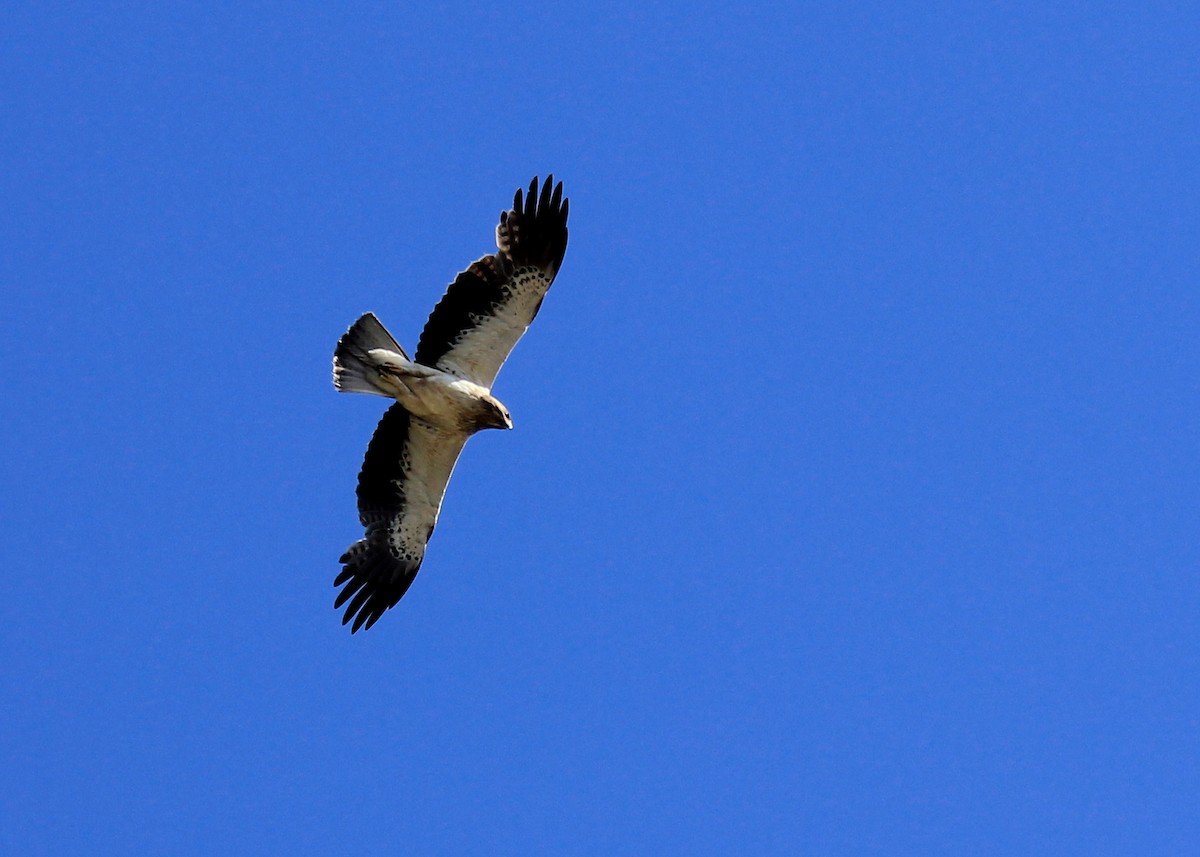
point(443, 396)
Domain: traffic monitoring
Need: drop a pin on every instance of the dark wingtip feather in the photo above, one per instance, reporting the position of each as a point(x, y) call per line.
point(358, 601)
point(344, 595)
point(374, 580)
point(534, 230)
point(373, 619)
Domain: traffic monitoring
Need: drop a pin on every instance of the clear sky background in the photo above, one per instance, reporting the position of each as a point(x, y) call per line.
point(852, 505)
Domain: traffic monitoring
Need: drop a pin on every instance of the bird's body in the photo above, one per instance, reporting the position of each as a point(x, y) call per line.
point(442, 397)
point(443, 400)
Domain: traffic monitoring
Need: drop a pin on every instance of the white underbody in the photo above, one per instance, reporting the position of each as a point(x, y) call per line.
point(439, 398)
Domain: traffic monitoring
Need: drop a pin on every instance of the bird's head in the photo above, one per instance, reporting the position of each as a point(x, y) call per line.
point(495, 415)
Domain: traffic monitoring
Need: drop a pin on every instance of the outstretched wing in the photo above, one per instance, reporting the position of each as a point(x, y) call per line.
point(490, 305)
point(400, 489)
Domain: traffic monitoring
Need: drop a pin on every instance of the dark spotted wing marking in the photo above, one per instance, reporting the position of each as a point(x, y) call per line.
point(400, 490)
point(490, 305)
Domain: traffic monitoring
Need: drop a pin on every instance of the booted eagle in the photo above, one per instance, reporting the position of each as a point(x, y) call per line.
point(443, 396)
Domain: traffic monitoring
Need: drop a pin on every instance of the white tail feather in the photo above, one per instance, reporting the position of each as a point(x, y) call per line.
point(360, 352)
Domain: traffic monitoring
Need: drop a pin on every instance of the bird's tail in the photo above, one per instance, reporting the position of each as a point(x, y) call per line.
point(355, 369)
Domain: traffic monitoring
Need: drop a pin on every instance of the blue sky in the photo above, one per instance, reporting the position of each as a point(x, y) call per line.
point(852, 506)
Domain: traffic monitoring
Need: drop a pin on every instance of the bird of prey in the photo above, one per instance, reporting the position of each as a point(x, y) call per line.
point(443, 396)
